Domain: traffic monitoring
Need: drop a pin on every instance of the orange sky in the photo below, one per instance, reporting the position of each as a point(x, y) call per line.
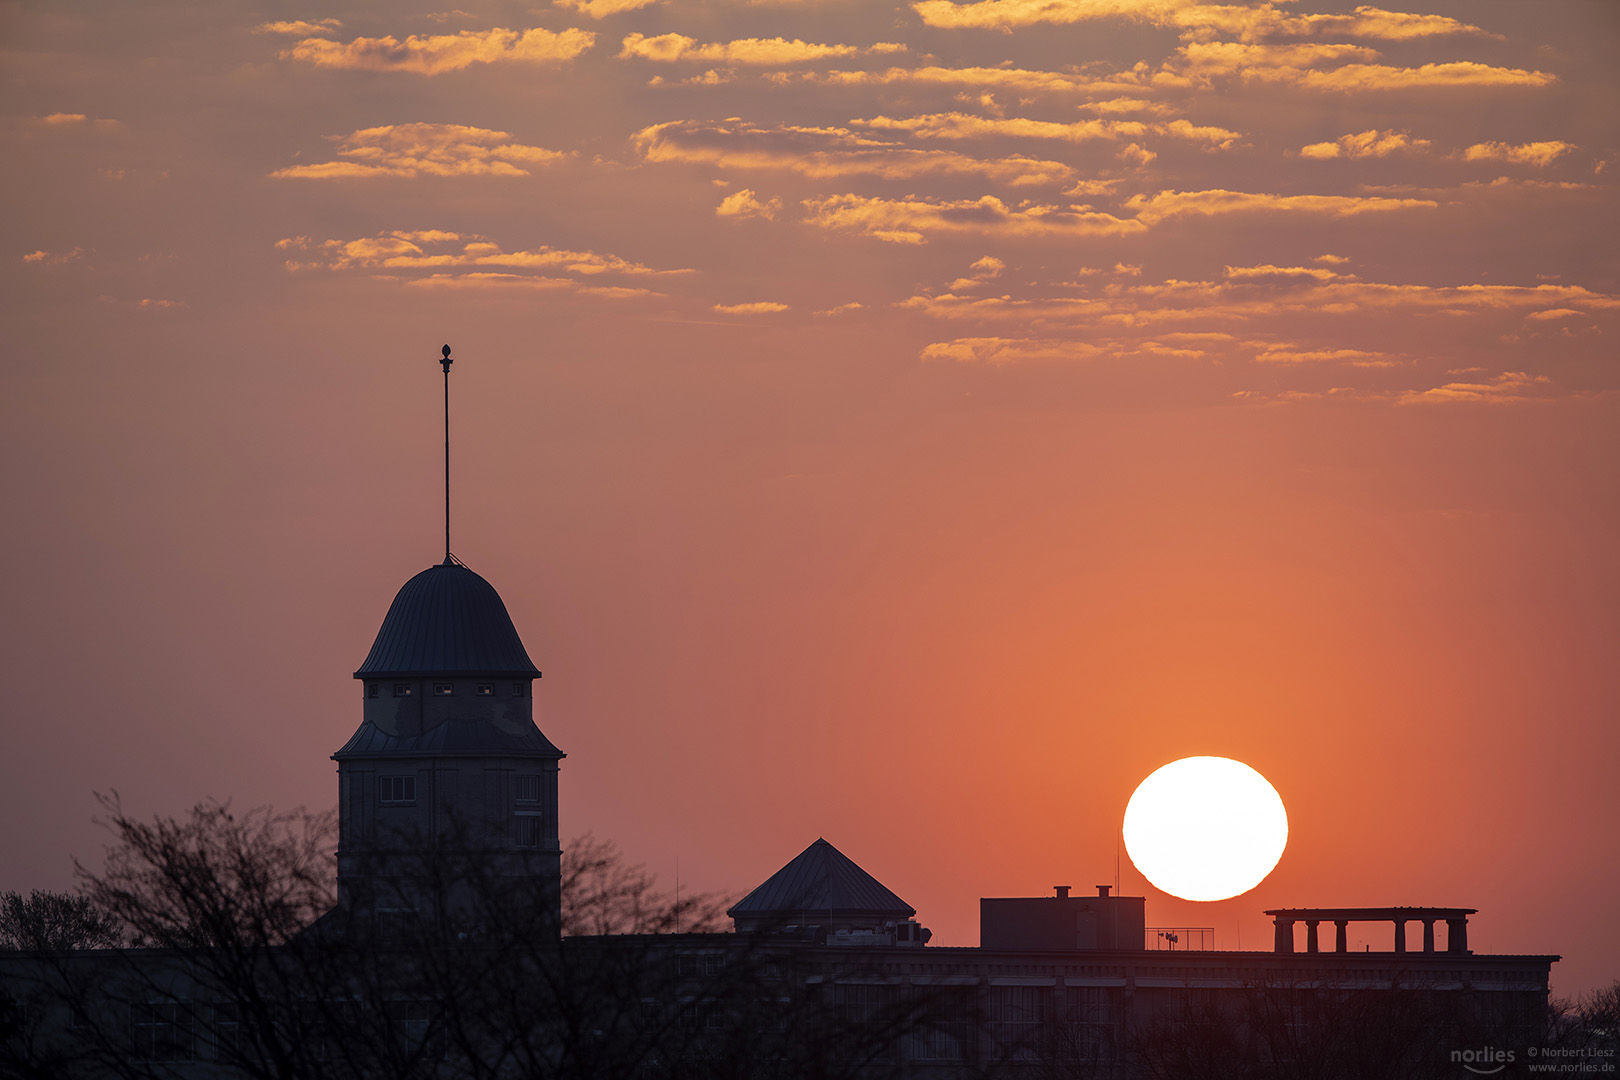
point(908, 424)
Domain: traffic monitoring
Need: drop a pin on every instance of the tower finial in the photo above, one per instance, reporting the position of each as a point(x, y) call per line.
point(446, 361)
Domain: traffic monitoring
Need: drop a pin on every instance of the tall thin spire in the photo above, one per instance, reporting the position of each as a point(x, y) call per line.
point(446, 361)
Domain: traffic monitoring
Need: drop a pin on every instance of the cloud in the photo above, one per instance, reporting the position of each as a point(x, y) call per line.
point(909, 221)
point(745, 204)
point(1365, 22)
point(1259, 296)
point(300, 27)
point(67, 121)
point(1282, 354)
point(1330, 67)
point(1000, 351)
point(48, 258)
point(1372, 143)
point(408, 150)
point(440, 53)
point(1326, 67)
point(668, 48)
point(982, 270)
point(598, 9)
point(1540, 154)
point(1082, 188)
point(1352, 77)
point(757, 307)
point(956, 125)
point(985, 78)
point(1554, 313)
point(401, 250)
point(1508, 387)
point(485, 280)
point(841, 309)
point(1136, 155)
point(1264, 20)
point(822, 153)
point(1279, 274)
point(1124, 105)
point(1169, 204)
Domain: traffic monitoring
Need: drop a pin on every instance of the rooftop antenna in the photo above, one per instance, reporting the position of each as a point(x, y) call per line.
point(446, 361)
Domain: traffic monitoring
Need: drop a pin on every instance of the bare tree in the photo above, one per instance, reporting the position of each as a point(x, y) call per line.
point(240, 952)
point(51, 920)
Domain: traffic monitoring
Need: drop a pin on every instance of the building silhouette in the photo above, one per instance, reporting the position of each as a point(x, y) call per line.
point(447, 751)
point(446, 940)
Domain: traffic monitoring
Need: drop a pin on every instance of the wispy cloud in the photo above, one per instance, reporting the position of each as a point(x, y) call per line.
point(984, 78)
point(957, 126)
point(440, 53)
point(745, 204)
point(1506, 388)
point(601, 9)
point(1258, 296)
point(1264, 20)
point(755, 307)
point(1331, 67)
point(825, 152)
point(841, 309)
point(68, 121)
point(479, 260)
point(53, 258)
point(300, 27)
point(669, 48)
point(983, 270)
point(488, 281)
point(1152, 209)
point(409, 150)
point(1003, 351)
point(1540, 154)
point(1365, 144)
point(912, 220)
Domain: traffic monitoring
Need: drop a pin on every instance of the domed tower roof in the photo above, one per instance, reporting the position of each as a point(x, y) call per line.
point(447, 621)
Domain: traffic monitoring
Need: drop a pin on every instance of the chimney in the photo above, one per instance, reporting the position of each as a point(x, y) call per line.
point(1102, 890)
point(1062, 891)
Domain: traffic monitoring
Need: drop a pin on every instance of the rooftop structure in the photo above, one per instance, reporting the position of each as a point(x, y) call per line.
point(821, 887)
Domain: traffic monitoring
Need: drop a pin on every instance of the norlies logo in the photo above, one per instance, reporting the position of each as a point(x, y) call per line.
point(1493, 1060)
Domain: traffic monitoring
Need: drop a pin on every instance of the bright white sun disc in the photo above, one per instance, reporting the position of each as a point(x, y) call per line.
point(1205, 828)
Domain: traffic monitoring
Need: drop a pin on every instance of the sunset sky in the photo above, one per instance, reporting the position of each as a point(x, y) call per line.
point(905, 423)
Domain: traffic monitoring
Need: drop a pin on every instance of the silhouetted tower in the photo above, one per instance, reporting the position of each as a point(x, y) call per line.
point(447, 752)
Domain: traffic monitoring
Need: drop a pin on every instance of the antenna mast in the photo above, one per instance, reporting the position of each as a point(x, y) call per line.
point(446, 361)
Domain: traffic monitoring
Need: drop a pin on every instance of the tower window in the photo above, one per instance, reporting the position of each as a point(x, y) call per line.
point(443, 689)
point(528, 830)
point(528, 789)
point(486, 689)
point(517, 689)
point(402, 689)
point(396, 790)
point(373, 690)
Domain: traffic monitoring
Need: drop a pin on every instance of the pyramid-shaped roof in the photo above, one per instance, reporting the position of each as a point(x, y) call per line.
point(821, 884)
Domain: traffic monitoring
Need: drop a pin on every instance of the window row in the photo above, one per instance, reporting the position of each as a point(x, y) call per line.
point(440, 689)
point(401, 790)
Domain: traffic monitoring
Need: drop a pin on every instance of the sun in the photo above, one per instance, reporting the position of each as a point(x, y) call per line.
point(1205, 828)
